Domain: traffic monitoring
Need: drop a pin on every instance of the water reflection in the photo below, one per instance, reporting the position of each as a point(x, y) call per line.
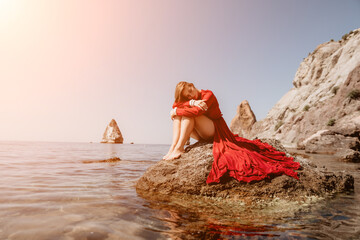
point(189, 217)
point(47, 192)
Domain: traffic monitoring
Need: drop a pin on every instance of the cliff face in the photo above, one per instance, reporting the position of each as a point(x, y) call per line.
point(322, 111)
point(112, 133)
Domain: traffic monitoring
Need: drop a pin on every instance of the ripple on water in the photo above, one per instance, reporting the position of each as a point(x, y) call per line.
point(47, 192)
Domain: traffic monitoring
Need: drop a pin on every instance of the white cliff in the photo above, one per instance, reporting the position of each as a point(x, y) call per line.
point(321, 113)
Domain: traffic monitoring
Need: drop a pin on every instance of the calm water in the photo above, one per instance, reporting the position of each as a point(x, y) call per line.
point(60, 191)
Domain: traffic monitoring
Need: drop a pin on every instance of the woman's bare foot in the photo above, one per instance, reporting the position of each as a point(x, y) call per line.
point(175, 154)
point(169, 153)
point(166, 156)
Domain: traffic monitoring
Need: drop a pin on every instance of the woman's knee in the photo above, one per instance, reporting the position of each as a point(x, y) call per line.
point(184, 118)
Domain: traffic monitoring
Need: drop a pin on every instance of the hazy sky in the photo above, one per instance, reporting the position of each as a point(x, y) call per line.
point(67, 67)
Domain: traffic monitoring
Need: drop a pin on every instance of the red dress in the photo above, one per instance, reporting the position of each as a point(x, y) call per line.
point(245, 160)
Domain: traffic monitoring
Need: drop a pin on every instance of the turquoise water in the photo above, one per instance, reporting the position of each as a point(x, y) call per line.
point(64, 191)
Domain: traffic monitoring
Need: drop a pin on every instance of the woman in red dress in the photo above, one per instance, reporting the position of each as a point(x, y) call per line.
point(196, 114)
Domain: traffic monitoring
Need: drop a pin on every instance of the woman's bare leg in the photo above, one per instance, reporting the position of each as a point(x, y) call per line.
point(176, 135)
point(205, 127)
point(195, 135)
point(200, 127)
point(186, 128)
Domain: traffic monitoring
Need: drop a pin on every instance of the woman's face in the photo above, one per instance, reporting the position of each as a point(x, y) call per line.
point(189, 92)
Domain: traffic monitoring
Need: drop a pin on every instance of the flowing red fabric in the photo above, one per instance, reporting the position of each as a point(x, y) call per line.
point(245, 160)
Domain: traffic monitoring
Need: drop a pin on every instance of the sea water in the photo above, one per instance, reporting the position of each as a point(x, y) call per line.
point(66, 191)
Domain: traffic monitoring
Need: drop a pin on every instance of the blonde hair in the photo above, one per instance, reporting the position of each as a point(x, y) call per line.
point(178, 91)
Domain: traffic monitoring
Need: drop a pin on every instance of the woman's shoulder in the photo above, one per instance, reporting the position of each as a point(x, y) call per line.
point(206, 92)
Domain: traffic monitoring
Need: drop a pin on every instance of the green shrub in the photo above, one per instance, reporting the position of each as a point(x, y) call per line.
point(354, 94)
point(306, 108)
point(331, 40)
point(331, 122)
point(278, 125)
point(335, 89)
point(345, 36)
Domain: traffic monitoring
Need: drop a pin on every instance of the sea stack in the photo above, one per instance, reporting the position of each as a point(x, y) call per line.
point(112, 133)
point(244, 119)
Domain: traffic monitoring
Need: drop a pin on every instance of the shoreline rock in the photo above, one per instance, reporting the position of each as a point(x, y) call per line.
point(187, 175)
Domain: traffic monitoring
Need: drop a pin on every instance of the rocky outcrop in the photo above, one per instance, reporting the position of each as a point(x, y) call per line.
point(321, 113)
point(243, 121)
point(188, 174)
point(112, 133)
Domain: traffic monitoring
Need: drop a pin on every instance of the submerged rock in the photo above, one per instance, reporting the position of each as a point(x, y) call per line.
point(187, 175)
point(112, 133)
point(109, 160)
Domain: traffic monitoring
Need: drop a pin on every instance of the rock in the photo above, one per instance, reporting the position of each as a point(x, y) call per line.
point(329, 142)
point(112, 133)
point(276, 144)
point(348, 155)
point(187, 175)
point(322, 100)
point(109, 160)
point(241, 124)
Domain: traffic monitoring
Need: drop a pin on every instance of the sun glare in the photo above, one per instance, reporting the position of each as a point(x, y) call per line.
point(7, 9)
point(4, 5)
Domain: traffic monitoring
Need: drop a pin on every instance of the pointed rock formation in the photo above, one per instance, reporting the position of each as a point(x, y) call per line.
point(321, 113)
point(244, 119)
point(112, 133)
